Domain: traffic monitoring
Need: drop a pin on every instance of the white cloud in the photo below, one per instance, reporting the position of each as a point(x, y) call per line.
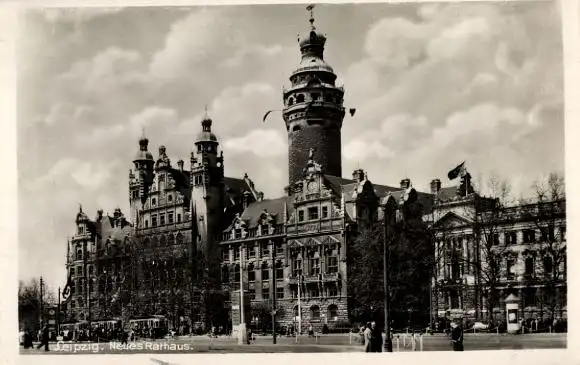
point(360, 150)
point(261, 142)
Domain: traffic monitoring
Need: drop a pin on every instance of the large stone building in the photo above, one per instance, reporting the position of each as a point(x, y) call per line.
point(195, 237)
point(486, 251)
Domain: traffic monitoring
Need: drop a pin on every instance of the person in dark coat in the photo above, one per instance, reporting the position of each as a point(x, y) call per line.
point(376, 338)
point(44, 338)
point(456, 336)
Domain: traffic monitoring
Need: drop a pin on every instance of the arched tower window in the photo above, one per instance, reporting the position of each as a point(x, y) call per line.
point(300, 98)
point(290, 101)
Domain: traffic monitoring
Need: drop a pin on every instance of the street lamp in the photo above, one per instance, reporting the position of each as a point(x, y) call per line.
point(389, 218)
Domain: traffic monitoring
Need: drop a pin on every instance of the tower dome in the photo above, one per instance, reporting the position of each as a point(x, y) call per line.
point(206, 134)
point(143, 154)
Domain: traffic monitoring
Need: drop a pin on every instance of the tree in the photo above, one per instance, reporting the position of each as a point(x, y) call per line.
point(29, 304)
point(409, 268)
point(547, 213)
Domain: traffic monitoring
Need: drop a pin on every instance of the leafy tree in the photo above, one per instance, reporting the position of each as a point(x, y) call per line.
point(29, 304)
point(409, 268)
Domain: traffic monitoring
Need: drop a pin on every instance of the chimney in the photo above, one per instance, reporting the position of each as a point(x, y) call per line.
point(246, 199)
point(405, 183)
point(180, 165)
point(435, 186)
point(358, 175)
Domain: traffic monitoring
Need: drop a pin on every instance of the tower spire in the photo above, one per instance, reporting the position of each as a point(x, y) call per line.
point(310, 8)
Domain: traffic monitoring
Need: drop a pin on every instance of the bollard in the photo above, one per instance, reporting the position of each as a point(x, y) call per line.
point(404, 341)
point(421, 343)
point(398, 343)
point(350, 338)
point(413, 342)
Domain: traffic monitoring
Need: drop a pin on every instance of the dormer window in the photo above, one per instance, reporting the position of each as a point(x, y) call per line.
point(264, 229)
point(300, 215)
point(170, 198)
point(153, 202)
point(80, 229)
point(325, 212)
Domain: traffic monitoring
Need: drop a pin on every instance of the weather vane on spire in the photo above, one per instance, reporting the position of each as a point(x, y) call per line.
point(310, 8)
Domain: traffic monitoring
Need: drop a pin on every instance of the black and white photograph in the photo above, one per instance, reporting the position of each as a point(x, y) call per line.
point(291, 178)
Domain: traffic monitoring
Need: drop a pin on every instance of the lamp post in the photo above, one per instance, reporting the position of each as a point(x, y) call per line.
point(389, 220)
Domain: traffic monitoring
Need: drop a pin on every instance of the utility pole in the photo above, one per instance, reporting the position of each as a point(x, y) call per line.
point(274, 293)
point(41, 301)
point(389, 219)
point(58, 314)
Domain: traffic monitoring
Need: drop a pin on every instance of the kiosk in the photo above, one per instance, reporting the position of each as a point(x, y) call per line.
point(512, 306)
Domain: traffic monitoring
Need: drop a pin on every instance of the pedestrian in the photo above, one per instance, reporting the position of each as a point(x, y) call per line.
point(376, 338)
point(456, 336)
point(44, 338)
point(124, 337)
point(367, 335)
point(310, 331)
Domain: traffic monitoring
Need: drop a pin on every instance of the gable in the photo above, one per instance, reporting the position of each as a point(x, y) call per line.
point(451, 220)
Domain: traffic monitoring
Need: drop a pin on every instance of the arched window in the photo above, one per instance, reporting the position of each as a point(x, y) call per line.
point(548, 265)
point(295, 310)
point(170, 197)
point(296, 128)
point(79, 254)
point(529, 264)
point(290, 101)
point(300, 98)
point(333, 312)
point(315, 312)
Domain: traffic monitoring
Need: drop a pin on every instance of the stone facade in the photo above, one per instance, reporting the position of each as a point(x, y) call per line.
point(527, 240)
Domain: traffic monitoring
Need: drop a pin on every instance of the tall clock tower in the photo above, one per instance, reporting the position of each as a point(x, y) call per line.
point(313, 109)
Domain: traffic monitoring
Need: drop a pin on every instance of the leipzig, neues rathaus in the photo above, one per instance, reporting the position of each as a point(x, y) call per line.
point(194, 236)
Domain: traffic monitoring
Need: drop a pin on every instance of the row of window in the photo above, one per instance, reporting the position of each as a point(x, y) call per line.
point(312, 293)
point(154, 200)
point(162, 221)
point(312, 213)
point(313, 268)
point(254, 251)
point(315, 96)
point(547, 234)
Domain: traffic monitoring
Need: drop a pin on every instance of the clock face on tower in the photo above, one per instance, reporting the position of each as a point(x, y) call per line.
point(311, 187)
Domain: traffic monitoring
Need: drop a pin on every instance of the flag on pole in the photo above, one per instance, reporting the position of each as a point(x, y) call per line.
point(66, 290)
point(459, 170)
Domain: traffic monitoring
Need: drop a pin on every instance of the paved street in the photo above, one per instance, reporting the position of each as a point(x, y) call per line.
point(332, 343)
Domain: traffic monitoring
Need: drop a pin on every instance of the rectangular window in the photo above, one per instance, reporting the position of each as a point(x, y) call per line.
point(72, 272)
point(325, 212)
point(79, 271)
point(252, 293)
point(496, 239)
point(332, 291)
point(510, 264)
point(265, 273)
point(529, 236)
point(314, 292)
point(279, 248)
point(511, 238)
point(300, 215)
point(265, 249)
point(294, 293)
point(279, 273)
point(251, 250)
point(332, 264)
point(265, 292)
point(297, 268)
point(313, 213)
point(529, 266)
point(179, 218)
point(226, 254)
point(314, 266)
point(279, 293)
point(252, 275)
point(146, 223)
point(162, 219)
point(154, 221)
point(80, 230)
point(170, 218)
point(236, 253)
point(264, 229)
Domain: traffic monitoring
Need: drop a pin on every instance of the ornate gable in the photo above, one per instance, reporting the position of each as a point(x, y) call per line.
point(452, 220)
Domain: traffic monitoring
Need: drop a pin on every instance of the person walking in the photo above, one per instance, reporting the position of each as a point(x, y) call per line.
point(456, 336)
point(376, 338)
point(44, 338)
point(367, 335)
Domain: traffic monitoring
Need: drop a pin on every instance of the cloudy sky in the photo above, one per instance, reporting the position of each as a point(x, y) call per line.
point(433, 85)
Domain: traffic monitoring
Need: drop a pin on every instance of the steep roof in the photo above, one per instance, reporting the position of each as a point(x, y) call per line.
point(234, 190)
point(275, 207)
